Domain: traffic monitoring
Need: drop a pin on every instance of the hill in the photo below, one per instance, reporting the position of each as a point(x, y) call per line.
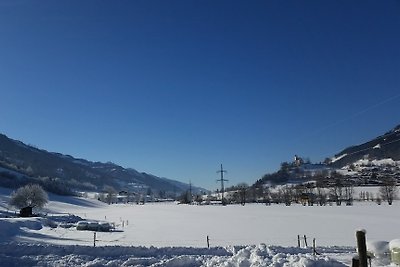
point(386, 146)
point(366, 164)
point(63, 174)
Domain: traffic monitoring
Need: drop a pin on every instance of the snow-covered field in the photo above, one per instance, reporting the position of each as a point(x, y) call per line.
point(176, 235)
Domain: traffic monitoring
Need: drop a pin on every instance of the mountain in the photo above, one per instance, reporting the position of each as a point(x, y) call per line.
point(384, 147)
point(21, 164)
point(366, 164)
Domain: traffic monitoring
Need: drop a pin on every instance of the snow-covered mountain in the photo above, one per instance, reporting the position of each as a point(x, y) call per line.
point(382, 149)
point(21, 163)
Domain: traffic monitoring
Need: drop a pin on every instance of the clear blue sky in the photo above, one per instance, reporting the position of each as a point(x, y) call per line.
point(175, 88)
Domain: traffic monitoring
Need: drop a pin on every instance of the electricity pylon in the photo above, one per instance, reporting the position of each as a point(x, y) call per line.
point(222, 180)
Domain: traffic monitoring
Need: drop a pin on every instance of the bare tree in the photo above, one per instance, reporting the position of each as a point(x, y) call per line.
point(388, 191)
point(348, 192)
point(287, 193)
point(336, 190)
point(267, 196)
point(309, 190)
point(298, 192)
point(320, 190)
point(258, 193)
point(243, 187)
point(110, 193)
point(185, 198)
point(29, 197)
point(276, 197)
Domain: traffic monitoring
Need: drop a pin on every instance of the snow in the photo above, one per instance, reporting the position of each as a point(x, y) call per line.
point(378, 248)
point(380, 162)
point(378, 146)
point(167, 234)
point(334, 159)
point(394, 244)
point(260, 255)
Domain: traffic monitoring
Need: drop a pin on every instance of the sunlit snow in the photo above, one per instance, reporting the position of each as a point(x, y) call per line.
point(176, 235)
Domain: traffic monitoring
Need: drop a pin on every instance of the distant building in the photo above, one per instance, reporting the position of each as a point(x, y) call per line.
point(298, 160)
point(26, 212)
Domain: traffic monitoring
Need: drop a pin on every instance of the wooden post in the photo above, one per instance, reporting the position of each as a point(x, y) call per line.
point(298, 240)
point(305, 240)
point(94, 239)
point(362, 249)
point(208, 242)
point(355, 262)
point(313, 244)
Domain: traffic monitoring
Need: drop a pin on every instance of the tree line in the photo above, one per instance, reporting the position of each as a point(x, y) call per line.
point(334, 189)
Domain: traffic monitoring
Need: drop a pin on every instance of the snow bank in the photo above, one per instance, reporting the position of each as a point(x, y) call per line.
point(263, 255)
point(17, 254)
point(378, 248)
point(394, 244)
point(14, 227)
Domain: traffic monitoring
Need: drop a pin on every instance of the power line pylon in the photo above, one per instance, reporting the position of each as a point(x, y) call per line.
point(222, 180)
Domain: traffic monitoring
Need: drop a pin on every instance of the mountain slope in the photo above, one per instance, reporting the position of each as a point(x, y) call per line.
point(367, 163)
point(21, 163)
point(386, 146)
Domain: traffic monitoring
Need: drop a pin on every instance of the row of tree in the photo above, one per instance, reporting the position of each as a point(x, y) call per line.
point(336, 189)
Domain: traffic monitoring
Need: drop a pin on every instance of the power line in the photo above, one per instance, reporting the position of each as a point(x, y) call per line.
point(333, 124)
point(357, 114)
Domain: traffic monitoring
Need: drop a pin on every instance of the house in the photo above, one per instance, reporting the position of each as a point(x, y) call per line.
point(26, 212)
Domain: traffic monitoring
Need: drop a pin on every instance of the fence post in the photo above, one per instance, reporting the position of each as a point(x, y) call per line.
point(362, 249)
point(314, 250)
point(94, 239)
point(298, 240)
point(208, 242)
point(305, 240)
point(355, 261)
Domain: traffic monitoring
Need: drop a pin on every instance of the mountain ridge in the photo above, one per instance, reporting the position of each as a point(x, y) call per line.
point(382, 147)
point(54, 169)
point(367, 163)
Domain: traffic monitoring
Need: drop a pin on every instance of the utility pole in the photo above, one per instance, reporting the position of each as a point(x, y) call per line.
point(222, 180)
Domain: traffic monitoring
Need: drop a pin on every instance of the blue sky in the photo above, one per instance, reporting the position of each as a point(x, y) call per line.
point(175, 88)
